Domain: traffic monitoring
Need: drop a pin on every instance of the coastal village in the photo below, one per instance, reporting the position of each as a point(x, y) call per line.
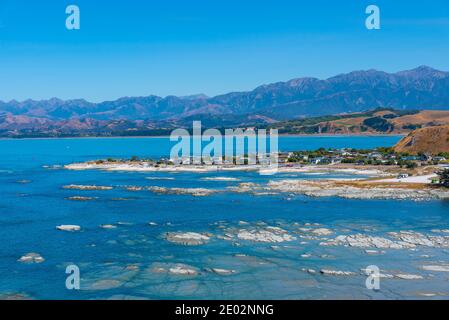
point(319, 157)
point(417, 167)
point(421, 169)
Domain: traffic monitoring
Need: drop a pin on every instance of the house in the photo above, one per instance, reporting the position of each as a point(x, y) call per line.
point(186, 160)
point(375, 155)
point(315, 160)
point(425, 157)
point(320, 160)
point(336, 160)
point(410, 158)
point(284, 156)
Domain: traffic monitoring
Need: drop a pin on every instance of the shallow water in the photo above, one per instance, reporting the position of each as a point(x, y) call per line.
point(122, 262)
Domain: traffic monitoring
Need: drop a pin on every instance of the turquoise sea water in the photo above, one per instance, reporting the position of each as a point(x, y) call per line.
point(123, 262)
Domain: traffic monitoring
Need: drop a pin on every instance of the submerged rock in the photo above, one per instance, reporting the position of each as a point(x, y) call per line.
point(322, 232)
point(408, 276)
point(268, 234)
point(219, 271)
point(14, 296)
point(134, 188)
point(401, 240)
point(245, 187)
point(70, 228)
point(23, 181)
point(123, 223)
point(381, 275)
point(31, 257)
point(159, 178)
point(428, 294)
point(419, 239)
point(440, 230)
point(79, 198)
point(220, 179)
point(86, 187)
point(108, 226)
point(330, 188)
point(329, 272)
point(187, 238)
point(196, 192)
point(183, 270)
point(365, 241)
point(437, 268)
point(372, 252)
point(106, 284)
point(311, 271)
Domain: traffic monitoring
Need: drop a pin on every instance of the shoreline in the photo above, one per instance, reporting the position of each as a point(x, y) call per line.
point(318, 135)
point(368, 182)
point(144, 166)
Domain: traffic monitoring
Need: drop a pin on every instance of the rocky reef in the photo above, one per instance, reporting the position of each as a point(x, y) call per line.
point(401, 240)
point(31, 257)
point(86, 187)
point(196, 192)
point(329, 188)
point(187, 238)
point(70, 228)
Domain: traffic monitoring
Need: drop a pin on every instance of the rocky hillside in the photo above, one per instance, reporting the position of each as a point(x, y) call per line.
point(385, 121)
point(431, 140)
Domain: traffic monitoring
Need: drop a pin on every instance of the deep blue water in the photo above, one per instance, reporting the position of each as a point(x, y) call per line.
point(120, 262)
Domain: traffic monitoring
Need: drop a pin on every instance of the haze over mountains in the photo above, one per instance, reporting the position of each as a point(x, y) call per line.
point(417, 89)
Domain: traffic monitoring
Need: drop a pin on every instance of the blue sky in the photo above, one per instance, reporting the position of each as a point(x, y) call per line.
point(181, 47)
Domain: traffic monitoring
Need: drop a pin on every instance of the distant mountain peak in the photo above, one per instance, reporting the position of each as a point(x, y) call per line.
point(424, 68)
point(416, 89)
point(194, 96)
point(301, 81)
point(423, 71)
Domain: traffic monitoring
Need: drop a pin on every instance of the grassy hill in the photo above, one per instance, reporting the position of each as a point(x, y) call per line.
point(430, 140)
point(380, 121)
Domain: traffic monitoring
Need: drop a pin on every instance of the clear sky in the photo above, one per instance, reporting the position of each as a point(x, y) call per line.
point(181, 47)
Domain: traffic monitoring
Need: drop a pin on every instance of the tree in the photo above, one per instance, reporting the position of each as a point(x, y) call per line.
point(411, 165)
point(444, 178)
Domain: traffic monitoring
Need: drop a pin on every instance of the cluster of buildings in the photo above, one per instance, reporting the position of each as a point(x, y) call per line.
point(361, 157)
point(252, 159)
point(317, 157)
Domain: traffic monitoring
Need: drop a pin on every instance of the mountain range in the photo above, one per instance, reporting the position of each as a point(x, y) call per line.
point(417, 89)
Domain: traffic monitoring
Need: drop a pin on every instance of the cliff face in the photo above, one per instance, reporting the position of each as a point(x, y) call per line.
point(432, 140)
